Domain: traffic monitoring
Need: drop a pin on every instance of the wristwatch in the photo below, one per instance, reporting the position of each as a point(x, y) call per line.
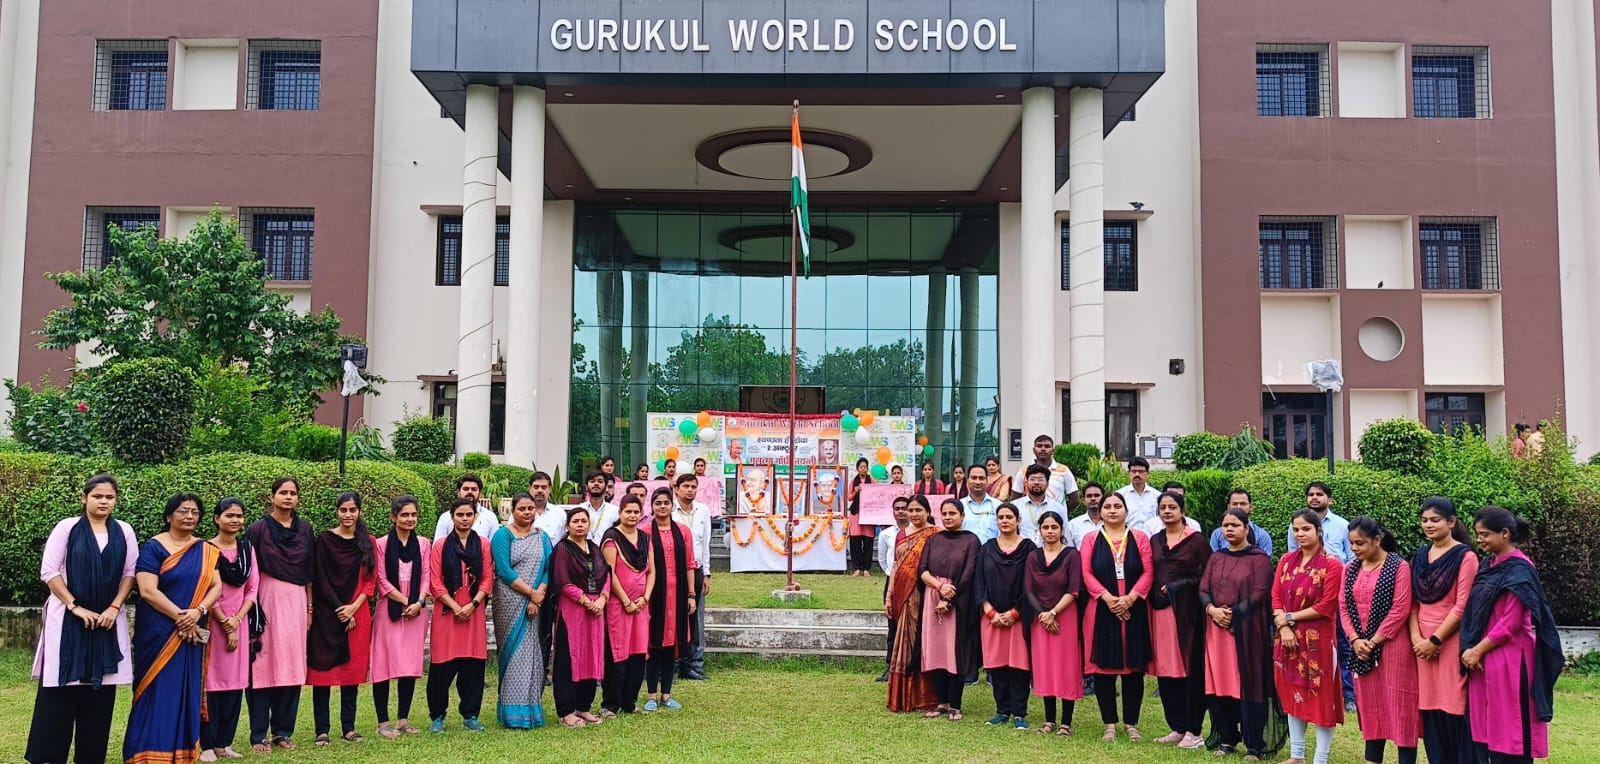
point(1288, 618)
point(1434, 638)
point(203, 611)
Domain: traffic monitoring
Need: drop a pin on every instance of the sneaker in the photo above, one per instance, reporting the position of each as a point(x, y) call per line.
point(1350, 706)
point(1191, 741)
point(472, 724)
point(673, 704)
point(650, 705)
point(884, 677)
point(998, 720)
point(1019, 723)
point(436, 726)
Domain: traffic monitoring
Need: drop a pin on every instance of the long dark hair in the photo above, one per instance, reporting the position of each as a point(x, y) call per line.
point(623, 503)
point(103, 478)
point(1311, 518)
point(1372, 529)
point(363, 536)
point(1446, 509)
point(1500, 519)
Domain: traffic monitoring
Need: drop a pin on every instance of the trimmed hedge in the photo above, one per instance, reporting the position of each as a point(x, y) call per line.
point(38, 490)
point(1278, 491)
point(441, 478)
point(1200, 450)
point(1396, 444)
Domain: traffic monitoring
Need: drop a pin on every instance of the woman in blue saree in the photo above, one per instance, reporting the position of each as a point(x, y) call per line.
point(178, 581)
point(522, 574)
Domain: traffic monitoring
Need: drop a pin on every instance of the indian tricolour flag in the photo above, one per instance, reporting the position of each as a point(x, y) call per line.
point(797, 195)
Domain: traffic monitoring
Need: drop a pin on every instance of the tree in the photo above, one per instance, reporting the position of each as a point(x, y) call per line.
point(199, 299)
point(706, 368)
point(876, 377)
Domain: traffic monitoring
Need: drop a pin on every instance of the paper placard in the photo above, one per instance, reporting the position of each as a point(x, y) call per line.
point(877, 502)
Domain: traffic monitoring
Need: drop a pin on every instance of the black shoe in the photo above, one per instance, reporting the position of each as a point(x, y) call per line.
point(884, 677)
point(693, 676)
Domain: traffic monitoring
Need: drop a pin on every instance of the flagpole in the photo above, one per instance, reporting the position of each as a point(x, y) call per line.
point(794, 316)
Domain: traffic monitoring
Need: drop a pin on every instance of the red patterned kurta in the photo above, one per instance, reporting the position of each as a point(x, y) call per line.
point(1308, 676)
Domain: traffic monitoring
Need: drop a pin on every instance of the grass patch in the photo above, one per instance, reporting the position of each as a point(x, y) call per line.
point(792, 710)
point(829, 591)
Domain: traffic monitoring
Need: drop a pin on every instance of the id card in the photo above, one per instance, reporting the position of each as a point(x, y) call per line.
point(1121, 572)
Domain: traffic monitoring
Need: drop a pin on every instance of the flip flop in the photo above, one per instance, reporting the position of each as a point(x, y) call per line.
point(285, 744)
point(323, 740)
point(260, 748)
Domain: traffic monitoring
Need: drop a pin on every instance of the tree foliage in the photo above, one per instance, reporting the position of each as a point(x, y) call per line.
point(143, 409)
point(199, 299)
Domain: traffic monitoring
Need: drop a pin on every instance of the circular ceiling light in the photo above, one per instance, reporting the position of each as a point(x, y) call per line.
point(764, 154)
point(773, 240)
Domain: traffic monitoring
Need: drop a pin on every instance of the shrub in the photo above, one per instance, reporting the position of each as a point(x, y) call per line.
point(1206, 495)
point(1594, 459)
point(1199, 450)
point(1475, 473)
point(143, 409)
point(50, 419)
point(423, 439)
point(9, 446)
point(1106, 471)
point(1244, 450)
point(1568, 560)
point(310, 442)
point(476, 461)
point(227, 416)
point(1278, 490)
point(1077, 457)
point(1396, 444)
point(366, 442)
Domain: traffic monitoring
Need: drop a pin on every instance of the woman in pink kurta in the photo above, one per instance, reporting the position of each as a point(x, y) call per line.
point(1004, 616)
point(461, 578)
point(1374, 605)
point(672, 600)
point(1116, 624)
point(228, 657)
point(1441, 581)
point(282, 542)
point(1513, 654)
point(1177, 622)
point(627, 551)
point(1236, 591)
point(400, 625)
point(582, 581)
point(1053, 578)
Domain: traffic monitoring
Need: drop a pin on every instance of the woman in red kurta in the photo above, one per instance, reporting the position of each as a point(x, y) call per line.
point(1305, 602)
point(1441, 582)
point(462, 576)
point(1374, 605)
point(1237, 594)
point(340, 640)
point(1116, 624)
point(1003, 627)
point(627, 550)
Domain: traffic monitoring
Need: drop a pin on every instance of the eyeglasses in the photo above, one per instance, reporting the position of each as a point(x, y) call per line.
point(186, 511)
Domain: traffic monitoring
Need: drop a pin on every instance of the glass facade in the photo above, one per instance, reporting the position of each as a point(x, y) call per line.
point(675, 308)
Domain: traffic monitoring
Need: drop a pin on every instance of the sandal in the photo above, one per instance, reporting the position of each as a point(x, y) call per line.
point(937, 712)
point(1133, 733)
point(1223, 750)
point(1109, 735)
point(606, 713)
point(323, 740)
point(284, 743)
point(408, 729)
point(588, 718)
point(572, 720)
point(260, 748)
point(387, 730)
point(1046, 728)
point(955, 715)
point(1064, 730)
point(352, 737)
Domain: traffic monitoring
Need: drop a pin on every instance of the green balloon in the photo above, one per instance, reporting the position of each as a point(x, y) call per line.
point(927, 450)
point(688, 428)
point(879, 472)
point(849, 423)
point(661, 466)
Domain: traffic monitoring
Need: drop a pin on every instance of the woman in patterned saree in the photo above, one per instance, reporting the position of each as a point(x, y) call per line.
point(522, 574)
point(909, 688)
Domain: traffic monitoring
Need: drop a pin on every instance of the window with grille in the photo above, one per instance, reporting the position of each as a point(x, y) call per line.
point(1122, 255)
point(285, 75)
point(1296, 424)
point(1299, 253)
point(1459, 253)
point(284, 240)
point(130, 75)
point(448, 272)
point(1449, 82)
point(444, 406)
point(98, 251)
point(1452, 413)
point(1122, 420)
point(1292, 80)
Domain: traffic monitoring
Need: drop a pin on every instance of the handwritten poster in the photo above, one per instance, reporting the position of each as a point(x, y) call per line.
point(877, 502)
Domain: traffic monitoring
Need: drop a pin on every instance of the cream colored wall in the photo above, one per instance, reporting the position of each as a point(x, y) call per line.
point(19, 48)
point(1372, 80)
point(1295, 330)
point(1377, 250)
point(1370, 406)
point(1577, 132)
point(206, 75)
point(1461, 341)
point(1011, 332)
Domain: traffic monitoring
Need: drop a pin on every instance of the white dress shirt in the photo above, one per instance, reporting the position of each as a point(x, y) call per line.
point(1079, 528)
point(1030, 517)
point(887, 538)
point(1141, 506)
point(553, 521)
point(486, 523)
point(601, 519)
point(698, 520)
point(1062, 483)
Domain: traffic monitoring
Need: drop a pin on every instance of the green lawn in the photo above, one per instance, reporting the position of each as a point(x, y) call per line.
point(786, 711)
point(833, 591)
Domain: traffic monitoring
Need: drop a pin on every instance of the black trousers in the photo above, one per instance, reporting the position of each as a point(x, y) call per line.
point(1229, 715)
point(1011, 690)
point(1375, 752)
point(1105, 694)
point(222, 718)
point(861, 553)
point(272, 709)
point(1447, 738)
point(320, 697)
point(620, 690)
point(1183, 702)
point(467, 675)
point(380, 697)
point(76, 718)
point(661, 667)
point(1067, 707)
point(1499, 758)
point(947, 688)
point(693, 660)
point(570, 696)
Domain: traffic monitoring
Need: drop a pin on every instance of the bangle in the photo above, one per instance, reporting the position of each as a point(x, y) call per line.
point(114, 606)
point(1434, 638)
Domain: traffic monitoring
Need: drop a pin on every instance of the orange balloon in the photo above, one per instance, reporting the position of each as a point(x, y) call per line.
point(703, 419)
point(672, 453)
point(867, 417)
point(922, 441)
point(885, 455)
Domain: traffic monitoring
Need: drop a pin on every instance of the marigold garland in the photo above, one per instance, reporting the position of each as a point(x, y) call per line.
point(803, 541)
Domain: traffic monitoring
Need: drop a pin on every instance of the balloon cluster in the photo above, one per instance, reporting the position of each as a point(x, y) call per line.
point(698, 428)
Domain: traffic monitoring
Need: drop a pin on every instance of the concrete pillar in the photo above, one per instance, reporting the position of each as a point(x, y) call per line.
point(527, 238)
point(639, 367)
point(476, 328)
point(933, 408)
point(1036, 291)
point(1086, 140)
point(967, 394)
point(608, 314)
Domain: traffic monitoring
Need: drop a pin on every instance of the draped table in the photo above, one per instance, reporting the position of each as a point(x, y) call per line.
point(756, 543)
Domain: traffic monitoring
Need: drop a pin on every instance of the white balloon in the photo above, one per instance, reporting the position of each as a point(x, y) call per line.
point(708, 435)
point(863, 437)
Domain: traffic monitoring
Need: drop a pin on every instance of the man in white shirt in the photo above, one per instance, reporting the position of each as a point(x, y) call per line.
point(1139, 495)
point(1036, 501)
point(602, 513)
point(979, 505)
point(1154, 524)
point(1079, 528)
point(1063, 487)
point(887, 538)
point(469, 486)
point(551, 520)
point(697, 517)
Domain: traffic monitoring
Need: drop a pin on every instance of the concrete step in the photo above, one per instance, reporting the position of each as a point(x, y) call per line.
point(867, 620)
point(827, 655)
point(830, 639)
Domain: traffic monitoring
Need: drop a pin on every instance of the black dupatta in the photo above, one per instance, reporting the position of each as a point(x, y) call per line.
point(93, 576)
point(1109, 648)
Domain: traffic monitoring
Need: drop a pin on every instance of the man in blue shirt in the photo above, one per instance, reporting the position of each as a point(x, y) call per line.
point(979, 506)
point(1239, 499)
point(1335, 539)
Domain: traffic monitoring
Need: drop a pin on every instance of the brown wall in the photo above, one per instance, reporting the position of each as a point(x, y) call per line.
point(318, 159)
point(1502, 167)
